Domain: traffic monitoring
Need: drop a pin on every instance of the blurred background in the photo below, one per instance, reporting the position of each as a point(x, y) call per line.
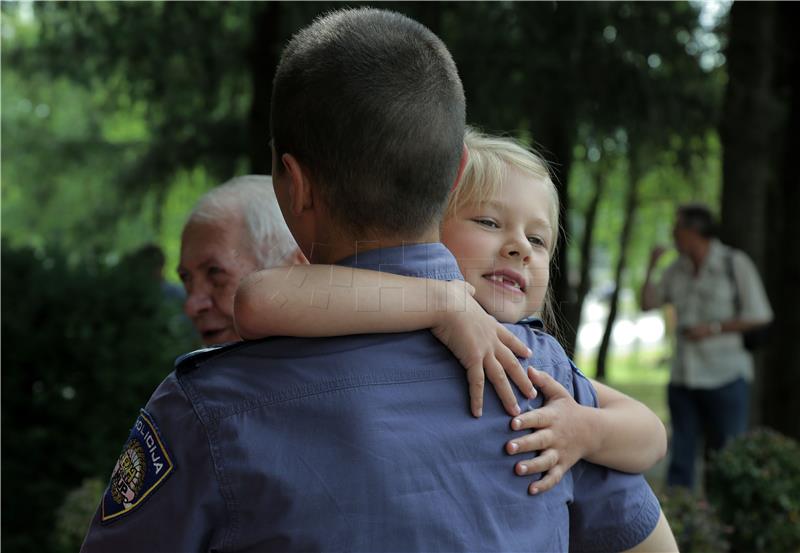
point(117, 116)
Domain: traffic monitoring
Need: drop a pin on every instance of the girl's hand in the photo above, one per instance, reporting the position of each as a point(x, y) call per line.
point(484, 347)
point(562, 435)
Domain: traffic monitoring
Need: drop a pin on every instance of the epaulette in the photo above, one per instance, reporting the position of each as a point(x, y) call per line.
point(189, 361)
point(533, 322)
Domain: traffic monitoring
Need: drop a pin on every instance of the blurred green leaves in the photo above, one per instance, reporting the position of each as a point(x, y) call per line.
point(755, 483)
point(84, 347)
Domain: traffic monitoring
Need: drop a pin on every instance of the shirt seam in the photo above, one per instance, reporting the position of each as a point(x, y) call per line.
point(302, 393)
point(436, 275)
point(635, 532)
point(226, 490)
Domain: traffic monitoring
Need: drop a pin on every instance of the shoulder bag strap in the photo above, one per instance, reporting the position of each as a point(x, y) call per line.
point(737, 300)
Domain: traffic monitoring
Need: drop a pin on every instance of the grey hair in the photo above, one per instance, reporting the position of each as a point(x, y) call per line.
point(252, 198)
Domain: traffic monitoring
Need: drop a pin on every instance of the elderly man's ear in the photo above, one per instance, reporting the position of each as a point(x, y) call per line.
point(301, 197)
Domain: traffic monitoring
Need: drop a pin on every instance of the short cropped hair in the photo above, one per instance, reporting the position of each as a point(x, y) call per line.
point(697, 217)
point(250, 200)
point(490, 159)
point(371, 104)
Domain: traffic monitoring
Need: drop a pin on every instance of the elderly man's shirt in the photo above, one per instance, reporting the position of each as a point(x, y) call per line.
point(362, 443)
point(709, 296)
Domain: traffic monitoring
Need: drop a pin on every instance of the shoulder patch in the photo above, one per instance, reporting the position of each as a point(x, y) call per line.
point(189, 361)
point(142, 467)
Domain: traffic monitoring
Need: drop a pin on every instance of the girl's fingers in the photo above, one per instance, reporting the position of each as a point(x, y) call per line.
point(538, 418)
point(546, 461)
point(553, 477)
point(513, 343)
point(547, 384)
point(475, 378)
point(497, 376)
point(515, 371)
point(537, 441)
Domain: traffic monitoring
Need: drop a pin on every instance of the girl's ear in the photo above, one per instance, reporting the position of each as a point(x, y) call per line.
point(301, 197)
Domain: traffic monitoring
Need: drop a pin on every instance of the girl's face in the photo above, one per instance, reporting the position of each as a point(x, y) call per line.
point(502, 247)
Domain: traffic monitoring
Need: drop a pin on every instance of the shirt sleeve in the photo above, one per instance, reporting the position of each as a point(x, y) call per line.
point(163, 494)
point(662, 286)
point(611, 510)
point(754, 302)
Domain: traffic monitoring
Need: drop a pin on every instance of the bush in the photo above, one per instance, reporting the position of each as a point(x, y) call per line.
point(755, 484)
point(75, 514)
point(694, 522)
point(83, 349)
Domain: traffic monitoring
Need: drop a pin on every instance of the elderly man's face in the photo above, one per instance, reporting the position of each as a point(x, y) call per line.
point(214, 259)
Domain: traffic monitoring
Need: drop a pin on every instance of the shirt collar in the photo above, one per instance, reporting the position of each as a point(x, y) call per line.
point(714, 258)
point(533, 322)
point(431, 260)
point(716, 253)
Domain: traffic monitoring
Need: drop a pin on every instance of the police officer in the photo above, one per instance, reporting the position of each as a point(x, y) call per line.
point(359, 443)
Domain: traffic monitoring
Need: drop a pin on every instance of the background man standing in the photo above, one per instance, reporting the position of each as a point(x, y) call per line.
point(717, 294)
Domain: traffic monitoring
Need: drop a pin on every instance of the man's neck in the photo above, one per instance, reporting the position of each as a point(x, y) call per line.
point(337, 250)
point(699, 254)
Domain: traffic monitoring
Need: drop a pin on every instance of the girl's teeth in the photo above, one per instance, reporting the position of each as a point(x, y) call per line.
point(498, 278)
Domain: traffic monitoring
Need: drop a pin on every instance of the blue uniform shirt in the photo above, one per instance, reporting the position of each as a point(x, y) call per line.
point(357, 443)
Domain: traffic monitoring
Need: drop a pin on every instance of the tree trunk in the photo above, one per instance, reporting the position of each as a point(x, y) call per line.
point(748, 128)
point(263, 59)
point(574, 309)
point(559, 144)
point(749, 133)
point(780, 371)
point(631, 203)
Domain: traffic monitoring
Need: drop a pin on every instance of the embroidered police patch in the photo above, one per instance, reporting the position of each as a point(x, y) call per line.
point(142, 466)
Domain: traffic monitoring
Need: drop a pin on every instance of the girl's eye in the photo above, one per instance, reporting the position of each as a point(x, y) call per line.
point(536, 241)
point(487, 223)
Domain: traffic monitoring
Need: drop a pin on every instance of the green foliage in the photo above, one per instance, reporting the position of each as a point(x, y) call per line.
point(84, 347)
point(121, 120)
point(75, 513)
point(694, 522)
point(187, 84)
point(755, 484)
point(72, 147)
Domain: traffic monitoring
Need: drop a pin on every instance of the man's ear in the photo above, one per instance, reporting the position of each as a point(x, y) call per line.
point(301, 196)
point(461, 165)
point(297, 258)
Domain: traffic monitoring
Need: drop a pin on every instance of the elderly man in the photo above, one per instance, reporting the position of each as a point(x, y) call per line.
point(233, 230)
point(355, 443)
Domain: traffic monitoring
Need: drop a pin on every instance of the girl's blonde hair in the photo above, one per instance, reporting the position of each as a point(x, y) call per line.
point(490, 158)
